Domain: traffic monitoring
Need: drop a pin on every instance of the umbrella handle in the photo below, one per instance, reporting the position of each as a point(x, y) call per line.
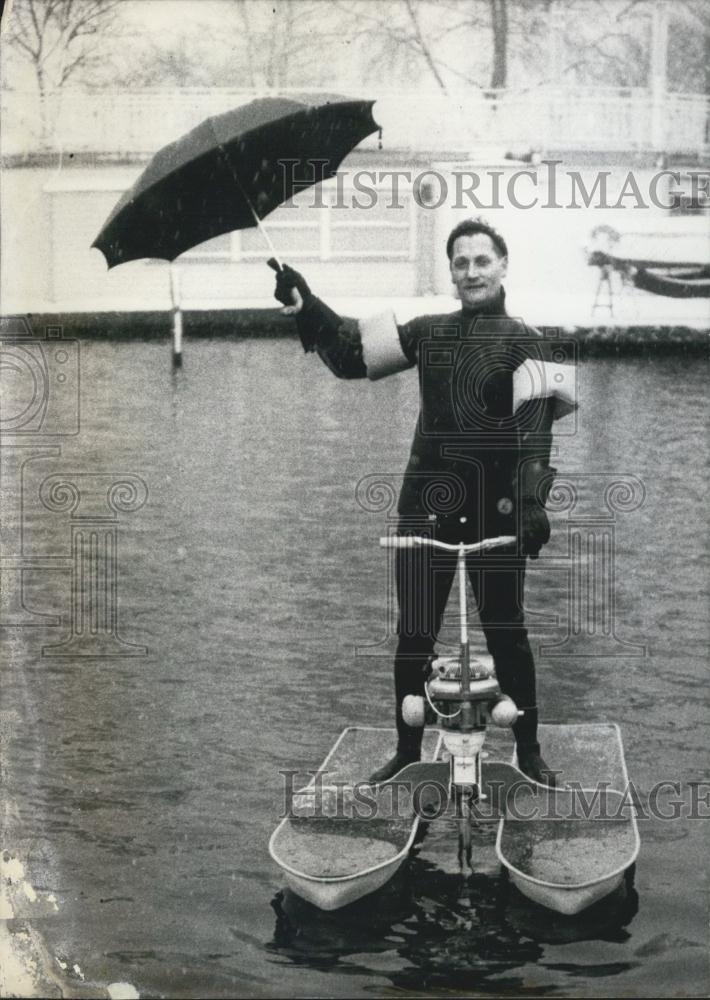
point(275, 265)
point(273, 262)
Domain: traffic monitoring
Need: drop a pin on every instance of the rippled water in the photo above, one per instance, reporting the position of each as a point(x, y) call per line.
point(143, 789)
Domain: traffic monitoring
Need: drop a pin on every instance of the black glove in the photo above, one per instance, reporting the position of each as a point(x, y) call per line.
point(286, 280)
point(535, 527)
point(315, 322)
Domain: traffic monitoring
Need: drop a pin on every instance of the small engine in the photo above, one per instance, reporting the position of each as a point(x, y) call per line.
point(463, 697)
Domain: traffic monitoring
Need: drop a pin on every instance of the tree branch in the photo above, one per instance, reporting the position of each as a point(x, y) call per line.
point(423, 47)
point(55, 35)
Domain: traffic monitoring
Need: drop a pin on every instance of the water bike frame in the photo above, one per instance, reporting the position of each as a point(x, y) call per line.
point(462, 694)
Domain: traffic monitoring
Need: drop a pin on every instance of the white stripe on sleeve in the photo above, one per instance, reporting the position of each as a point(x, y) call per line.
point(381, 347)
point(541, 379)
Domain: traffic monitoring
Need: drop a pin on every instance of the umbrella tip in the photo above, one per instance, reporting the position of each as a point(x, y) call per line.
point(104, 255)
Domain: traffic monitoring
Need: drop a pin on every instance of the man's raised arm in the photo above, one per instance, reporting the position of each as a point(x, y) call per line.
point(367, 348)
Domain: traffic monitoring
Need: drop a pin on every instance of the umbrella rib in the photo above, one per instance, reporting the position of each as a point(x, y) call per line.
point(244, 195)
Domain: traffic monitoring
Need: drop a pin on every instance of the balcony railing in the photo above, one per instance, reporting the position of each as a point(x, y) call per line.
point(136, 123)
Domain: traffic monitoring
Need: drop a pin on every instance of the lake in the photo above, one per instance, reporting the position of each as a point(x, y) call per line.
point(254, 622)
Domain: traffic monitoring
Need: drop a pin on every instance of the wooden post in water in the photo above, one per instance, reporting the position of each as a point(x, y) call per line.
point(177, 316)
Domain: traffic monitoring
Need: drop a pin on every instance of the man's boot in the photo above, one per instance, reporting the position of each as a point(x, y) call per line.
point(409, 750)
point(410, 672)
point(530, 761)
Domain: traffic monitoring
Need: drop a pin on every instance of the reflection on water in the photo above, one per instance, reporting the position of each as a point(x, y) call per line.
point(252, 575)
point(450, 931)
point(433, 927)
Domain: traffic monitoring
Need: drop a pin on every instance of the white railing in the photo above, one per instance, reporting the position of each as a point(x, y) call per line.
point(138, 122)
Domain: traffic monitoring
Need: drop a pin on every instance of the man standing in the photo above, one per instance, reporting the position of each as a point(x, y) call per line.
point(478, 467)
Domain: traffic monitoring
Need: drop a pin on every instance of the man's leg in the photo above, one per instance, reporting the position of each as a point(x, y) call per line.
point(424, 580)
point(499, 584)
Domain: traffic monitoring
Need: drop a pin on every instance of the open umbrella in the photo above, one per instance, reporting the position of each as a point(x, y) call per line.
point(230, 172)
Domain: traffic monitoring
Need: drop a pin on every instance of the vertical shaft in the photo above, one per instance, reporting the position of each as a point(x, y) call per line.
point(462, 595)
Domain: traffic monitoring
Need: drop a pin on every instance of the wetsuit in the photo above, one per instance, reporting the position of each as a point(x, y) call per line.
point(478, 468)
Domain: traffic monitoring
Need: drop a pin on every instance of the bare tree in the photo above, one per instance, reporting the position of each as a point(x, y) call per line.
point(689, 47)
point(499, 15)
point(401, 38)
point(255, 44)
point(276, 43)
point(413, 34)
point(59, 38)
point(496, 44)
point(612, 41)
point(518, 29)
point(184, 62)
point(418, 38)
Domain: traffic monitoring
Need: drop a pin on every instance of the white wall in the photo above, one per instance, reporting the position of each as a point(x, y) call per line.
point(50, 218)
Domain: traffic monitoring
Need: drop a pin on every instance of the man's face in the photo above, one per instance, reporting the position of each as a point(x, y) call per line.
point(477, 269)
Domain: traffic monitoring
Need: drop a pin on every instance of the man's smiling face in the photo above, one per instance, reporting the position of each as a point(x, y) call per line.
point(477, 269)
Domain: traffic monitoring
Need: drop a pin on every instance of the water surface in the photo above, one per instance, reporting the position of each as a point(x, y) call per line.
point(144, 789)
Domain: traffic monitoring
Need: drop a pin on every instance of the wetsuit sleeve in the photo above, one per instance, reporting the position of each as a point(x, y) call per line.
point(355, 348)
point(535, 472)
point(544, 390)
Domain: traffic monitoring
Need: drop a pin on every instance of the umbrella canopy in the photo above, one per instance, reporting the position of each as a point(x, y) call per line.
point(229, 171)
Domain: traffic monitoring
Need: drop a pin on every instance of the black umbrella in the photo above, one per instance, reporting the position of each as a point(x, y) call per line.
point(230, 172)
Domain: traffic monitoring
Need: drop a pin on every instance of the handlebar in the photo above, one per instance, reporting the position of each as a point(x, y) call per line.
point(413, 541)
